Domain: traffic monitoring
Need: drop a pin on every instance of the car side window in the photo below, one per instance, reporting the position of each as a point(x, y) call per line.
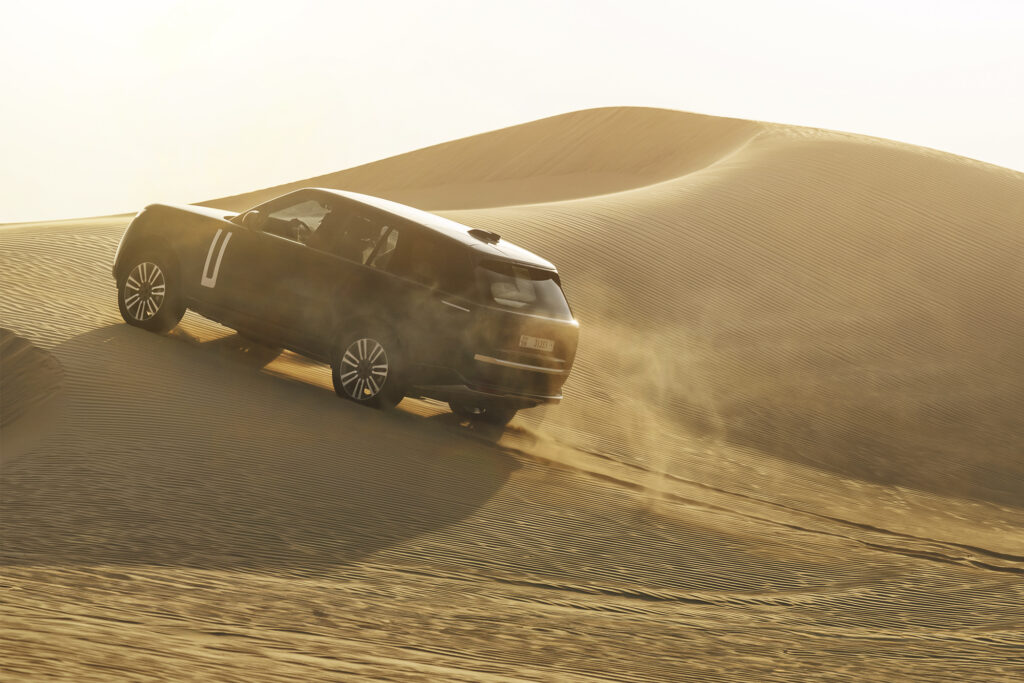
point(385, 250)
point(297, 222)
point(433, 262)
point(352, 235)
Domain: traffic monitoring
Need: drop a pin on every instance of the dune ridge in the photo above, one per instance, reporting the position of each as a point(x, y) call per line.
point(578, 154)
point(790, 447)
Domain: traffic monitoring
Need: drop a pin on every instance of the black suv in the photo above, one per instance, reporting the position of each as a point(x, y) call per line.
point(399, 301)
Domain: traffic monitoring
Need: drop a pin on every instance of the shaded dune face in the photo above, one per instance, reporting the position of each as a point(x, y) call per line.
point(31, 394)
point(848, 303)
point(205, 463)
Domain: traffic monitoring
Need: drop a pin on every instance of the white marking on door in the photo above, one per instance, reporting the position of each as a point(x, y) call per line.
point(211, 281)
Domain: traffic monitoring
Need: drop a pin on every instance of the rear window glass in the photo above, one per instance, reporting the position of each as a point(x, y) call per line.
point(522, 289)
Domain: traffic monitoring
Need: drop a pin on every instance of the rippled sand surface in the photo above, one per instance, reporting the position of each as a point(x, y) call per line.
point(792, 447)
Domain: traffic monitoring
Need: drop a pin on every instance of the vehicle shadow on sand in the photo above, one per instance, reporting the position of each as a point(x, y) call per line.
point(168, 455)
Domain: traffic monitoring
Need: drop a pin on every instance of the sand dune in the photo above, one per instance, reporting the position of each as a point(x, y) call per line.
point(791, 446)
point(579, 154)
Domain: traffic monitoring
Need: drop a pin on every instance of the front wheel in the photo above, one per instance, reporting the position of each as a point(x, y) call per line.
point(367, 369)
point(149, 294)
point(491, 413)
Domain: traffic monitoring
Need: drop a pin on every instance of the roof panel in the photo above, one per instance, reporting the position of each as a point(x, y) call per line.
point(447, 227)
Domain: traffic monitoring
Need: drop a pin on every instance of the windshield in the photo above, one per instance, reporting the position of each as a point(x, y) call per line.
point(522, 289)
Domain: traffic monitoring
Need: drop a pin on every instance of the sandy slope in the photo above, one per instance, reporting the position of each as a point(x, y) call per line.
point(31, 389)
point(792, 443)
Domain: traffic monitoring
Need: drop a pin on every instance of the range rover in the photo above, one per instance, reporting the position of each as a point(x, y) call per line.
point(400, 302)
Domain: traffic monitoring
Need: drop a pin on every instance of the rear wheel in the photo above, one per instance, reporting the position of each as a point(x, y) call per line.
point(367, 369)
point(491, 413)
point(149, 293)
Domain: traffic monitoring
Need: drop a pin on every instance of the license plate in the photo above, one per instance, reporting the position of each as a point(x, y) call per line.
point(528, 342)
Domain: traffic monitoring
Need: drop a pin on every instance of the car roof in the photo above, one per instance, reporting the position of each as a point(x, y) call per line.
point(502, 249)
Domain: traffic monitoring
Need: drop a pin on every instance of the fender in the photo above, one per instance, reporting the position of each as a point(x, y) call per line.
point(144, 233)
point(176, 232)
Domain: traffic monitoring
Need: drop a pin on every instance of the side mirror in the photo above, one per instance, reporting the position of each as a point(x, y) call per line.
point(253, 220)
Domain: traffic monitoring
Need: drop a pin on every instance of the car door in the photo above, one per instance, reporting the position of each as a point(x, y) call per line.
point(338, 281)
point(255, 267)
point(433, 301)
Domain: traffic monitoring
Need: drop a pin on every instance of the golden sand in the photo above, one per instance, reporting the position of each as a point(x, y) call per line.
point(791, 446)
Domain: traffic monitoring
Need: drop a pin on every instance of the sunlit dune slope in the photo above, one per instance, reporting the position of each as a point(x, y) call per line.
point(846, 302)
point(579, 154)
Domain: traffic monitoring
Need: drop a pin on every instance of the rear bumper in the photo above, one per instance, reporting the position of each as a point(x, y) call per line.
point(485, 394)
point(484, 378)
point(517, 366)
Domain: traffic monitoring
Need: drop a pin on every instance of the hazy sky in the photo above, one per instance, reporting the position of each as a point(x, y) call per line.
point(107, 106)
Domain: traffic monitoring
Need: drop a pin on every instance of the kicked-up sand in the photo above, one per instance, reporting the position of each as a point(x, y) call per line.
point(792, 446)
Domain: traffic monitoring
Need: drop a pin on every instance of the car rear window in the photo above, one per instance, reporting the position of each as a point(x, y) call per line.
point(520, 288)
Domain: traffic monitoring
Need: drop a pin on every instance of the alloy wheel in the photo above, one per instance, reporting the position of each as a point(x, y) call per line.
point(144, 291)
point(364, 369)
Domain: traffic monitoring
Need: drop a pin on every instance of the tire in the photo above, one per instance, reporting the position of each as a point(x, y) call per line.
point(491, 413)
point(149, 293)
point(367, 368)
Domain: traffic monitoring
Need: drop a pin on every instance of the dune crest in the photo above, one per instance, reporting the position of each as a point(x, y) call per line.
point(579, 154)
